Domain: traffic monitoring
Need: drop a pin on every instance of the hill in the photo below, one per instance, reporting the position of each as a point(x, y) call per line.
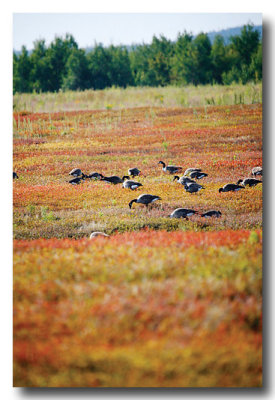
point(227, 33)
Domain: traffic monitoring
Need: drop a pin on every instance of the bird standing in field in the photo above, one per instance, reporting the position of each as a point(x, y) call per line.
point(189, 170)
point(145, 199)
point(249, 182)
point(76, 172)
point(94, 175)
point(192, 187)
point(182, 213)
point(131, 185)
point(77, 180)
point(183, 180)
point(230, 187)
point(134, 172)
point(197, 175)
point(171, 169)
point(15, 176)
point(114, 179)
point(256, 171)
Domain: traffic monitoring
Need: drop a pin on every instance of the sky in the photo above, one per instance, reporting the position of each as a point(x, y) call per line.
point(119, 28)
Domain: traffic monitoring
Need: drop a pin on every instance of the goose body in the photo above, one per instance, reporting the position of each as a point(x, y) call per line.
point(145, 199)
point(197, 175)
point(171, 169)
point(256, 171)
point(182, 213)
point(94, 175)
point(76, 172)
point(212, 213)
point(189, 170)
point(249, 182)
point(183, 180)
point(76, 181)
point(133, 171)
point(230, 187)
point(114, 179)
point(192, 187)
point(131, 184)
point(15, 176)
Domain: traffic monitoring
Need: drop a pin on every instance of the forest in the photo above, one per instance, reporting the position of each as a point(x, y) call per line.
point(190, 60)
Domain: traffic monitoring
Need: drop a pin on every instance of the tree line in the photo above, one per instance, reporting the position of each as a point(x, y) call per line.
point(188, 60)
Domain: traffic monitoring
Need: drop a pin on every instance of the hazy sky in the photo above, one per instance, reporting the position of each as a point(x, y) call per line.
point(119, 28)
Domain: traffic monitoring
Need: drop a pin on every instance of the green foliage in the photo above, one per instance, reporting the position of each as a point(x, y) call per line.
point(253, 238)
point(46, 215)
point(62, 65)
point(219, 58)
point(77, 77)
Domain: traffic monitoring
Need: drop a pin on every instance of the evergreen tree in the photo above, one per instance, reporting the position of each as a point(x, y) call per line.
point(99, 66)
point(78, 76)
point(219, 59)
point(160, 61)
point(201, 60)
point(22, 72)
point(139, 62)
point(41, 71)
point(256, 65)
point(120, 73)
point(182, 62)
point(246, 44)
point(57, 55)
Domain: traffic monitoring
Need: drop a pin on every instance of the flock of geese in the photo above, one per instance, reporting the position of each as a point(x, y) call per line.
point(186, 180)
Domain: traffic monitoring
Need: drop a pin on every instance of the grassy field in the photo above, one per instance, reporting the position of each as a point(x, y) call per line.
point(162, 302)
point(117, 98)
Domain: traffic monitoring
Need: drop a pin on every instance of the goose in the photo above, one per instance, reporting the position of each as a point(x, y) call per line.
point(193, 187)
point(212, 213)
point(257, 171)
point(183, 180)
point(96, 234)
point(94, 175)
point(145, 199)
point(197, 175)
point(15, 176)
point(189, 170)
point(134, 172)
point(131, 184)
point(75, 172)
point(230, 187)
point(76, 181)
point(114, 179)
point(172, 169)
point(248, 182)
point(182, 213)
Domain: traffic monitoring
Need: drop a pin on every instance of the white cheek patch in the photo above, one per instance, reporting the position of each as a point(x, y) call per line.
point(134, 187)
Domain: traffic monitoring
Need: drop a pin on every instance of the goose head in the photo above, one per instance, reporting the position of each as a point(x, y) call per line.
point(131, 202)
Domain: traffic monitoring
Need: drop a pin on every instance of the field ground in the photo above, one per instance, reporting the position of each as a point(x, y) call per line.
point(117, 98)
point(162, 302)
